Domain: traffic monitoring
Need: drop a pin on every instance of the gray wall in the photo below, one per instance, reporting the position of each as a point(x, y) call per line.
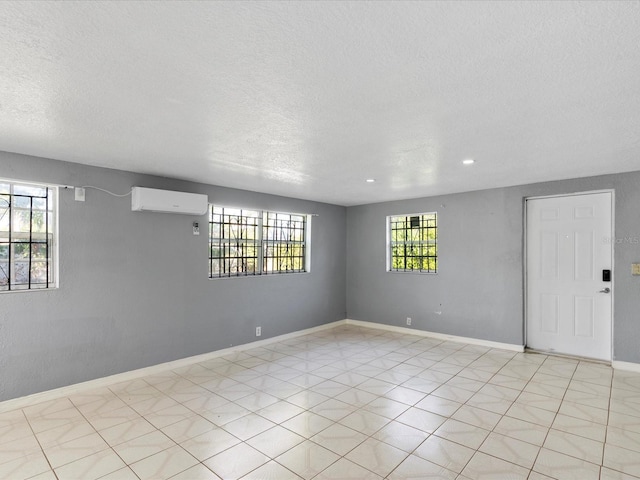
point(134, 290)
point(479, 286)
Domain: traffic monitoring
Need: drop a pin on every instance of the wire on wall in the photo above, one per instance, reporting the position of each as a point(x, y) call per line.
point(107, 191)
point(72, 187)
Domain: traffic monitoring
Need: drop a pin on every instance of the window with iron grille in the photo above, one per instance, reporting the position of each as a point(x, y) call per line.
point(413, 243)
point(284, 242)
point(252, 242)
point(27, 236)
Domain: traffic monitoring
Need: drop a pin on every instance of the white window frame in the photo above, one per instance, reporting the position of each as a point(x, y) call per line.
point(390, 244)
point(52, 259)
point(260, 243)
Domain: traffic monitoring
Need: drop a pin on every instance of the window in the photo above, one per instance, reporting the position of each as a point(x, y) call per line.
point(27, 228)
point(251, 242)
point(413, 243)
point(284, 242)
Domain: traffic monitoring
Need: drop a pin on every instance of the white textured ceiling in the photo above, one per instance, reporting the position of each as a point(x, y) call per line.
point(308, 99)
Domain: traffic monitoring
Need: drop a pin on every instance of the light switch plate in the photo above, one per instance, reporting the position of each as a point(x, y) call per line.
point(635, 269)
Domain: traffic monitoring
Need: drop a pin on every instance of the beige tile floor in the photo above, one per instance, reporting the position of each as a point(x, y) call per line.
point(345, 403)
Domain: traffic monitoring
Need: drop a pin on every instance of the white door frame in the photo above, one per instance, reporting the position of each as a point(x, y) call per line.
point(613, 246)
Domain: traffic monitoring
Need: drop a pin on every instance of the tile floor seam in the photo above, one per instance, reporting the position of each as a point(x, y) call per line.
point(98, 432)
point(548, 431)
point(128, 465)
point(39, 444)
point(551, 427)
point(350, 357)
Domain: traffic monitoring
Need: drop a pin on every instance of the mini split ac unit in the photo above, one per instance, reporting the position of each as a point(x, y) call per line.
point(168, 201)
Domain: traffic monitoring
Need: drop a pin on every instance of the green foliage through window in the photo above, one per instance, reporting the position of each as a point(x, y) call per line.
point(27, 226)
point(413, 243)
point(250, 242)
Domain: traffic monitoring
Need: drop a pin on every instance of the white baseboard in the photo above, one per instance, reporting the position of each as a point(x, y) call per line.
point(22, 402)
point(438, 336)
point(626, 366)
point(56, 393)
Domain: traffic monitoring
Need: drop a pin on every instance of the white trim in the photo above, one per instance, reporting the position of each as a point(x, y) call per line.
point(55, 255)
point(56, 238)
point(307, 246)
point(35, 182)
point(260, 243)
point(568, 356)
point(22, 402)
point(613, 276)
point(626, 366)
point(390, 245)
point(260, 210)
point(572, 194)
point(54, 394)
point(436, 335)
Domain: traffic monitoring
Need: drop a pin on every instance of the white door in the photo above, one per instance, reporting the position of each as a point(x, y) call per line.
point(569, 244)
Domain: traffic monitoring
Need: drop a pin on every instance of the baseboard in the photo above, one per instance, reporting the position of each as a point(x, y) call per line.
point(56, 393)
point(438, 336)
point(26, 401)
point(626, 366)
point(66, 391)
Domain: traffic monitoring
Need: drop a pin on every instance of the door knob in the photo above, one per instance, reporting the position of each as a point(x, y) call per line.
point(605, 290)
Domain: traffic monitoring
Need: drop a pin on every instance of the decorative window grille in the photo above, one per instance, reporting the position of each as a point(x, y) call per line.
point(413, 243)
point(251, 242)
point(284, 242)
point(234, 238)
point(27, 229)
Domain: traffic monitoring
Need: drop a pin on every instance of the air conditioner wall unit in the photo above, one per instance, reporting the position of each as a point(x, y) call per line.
point(168, 201)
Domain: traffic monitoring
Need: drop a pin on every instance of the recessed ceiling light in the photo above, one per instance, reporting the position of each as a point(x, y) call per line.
point(370, 180)
point(469, 161)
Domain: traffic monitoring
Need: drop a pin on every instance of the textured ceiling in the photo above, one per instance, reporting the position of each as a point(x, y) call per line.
point(308, 99)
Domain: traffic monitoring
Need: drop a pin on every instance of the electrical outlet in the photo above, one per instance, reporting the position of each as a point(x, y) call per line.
point(79, 194)
point(258, 331)
point(408, 320)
